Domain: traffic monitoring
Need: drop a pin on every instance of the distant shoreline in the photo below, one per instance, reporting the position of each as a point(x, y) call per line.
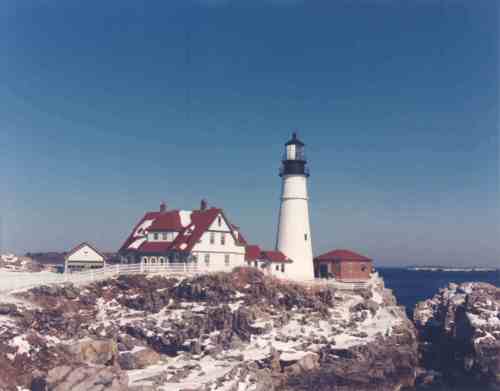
point(451, 269)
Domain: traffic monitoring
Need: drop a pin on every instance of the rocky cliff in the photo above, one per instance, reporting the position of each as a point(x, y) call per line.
point(459, 329)
point(238, 331)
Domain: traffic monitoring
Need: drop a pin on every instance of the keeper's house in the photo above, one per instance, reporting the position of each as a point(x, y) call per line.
point(343, 265)
point(82, 257)
point(204, 236)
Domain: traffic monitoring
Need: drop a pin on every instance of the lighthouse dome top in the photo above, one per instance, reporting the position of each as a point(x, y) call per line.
point(295, 140)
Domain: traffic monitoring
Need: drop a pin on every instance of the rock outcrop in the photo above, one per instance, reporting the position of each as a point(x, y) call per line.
point(224, 331)
point(459, 329)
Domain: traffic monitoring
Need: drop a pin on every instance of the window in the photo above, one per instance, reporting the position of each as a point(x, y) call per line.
point(219, 221)
point(212, 237)
point(256, 264)
point(282, 268)
point(227, 259)
point(305, 237)
point(164, 236)
point(207, 259)
point(223, 239)
point(161, 260)
point(277, 268)
point(155, 236)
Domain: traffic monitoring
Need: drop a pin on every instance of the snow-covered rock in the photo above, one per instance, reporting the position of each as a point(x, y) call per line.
point(460, 332)
point(220, 332)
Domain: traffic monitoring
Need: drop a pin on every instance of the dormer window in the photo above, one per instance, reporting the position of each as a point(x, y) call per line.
point(155, 236)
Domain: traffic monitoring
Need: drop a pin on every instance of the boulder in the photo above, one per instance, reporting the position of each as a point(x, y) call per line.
point(145, 357)
point(100, 352)
point(127, 361)
point(307, 363)
point(139, 359)
point(70, 291)
point(86, 378)
point(7, 309)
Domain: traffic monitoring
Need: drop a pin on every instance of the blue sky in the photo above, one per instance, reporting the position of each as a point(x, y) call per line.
point(107, 108)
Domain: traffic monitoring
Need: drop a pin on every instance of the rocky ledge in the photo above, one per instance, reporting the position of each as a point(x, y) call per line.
point(220, 332)
point(459, 330)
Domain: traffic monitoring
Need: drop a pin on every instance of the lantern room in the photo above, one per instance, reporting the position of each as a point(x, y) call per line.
point(294, 149)
point(294, 159)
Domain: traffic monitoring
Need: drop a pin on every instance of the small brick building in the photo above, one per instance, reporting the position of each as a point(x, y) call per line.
point(343, 265)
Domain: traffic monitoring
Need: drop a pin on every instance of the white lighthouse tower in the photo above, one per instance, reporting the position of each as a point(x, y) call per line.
point(294, 231)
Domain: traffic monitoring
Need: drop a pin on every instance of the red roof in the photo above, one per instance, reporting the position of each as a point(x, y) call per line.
point(188, 236)
point(131, 238)
point(154, 247)
point(252, 253)
point(167, 221)
point(343, 255)
point(275, 256)
point(200, 222)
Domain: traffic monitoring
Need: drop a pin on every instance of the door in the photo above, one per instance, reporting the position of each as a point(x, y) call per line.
point(323, 270)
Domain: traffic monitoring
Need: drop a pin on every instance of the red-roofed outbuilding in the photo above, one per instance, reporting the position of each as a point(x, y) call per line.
point(343, 265)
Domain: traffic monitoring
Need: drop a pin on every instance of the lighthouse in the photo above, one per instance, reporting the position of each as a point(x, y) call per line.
point(294, 231)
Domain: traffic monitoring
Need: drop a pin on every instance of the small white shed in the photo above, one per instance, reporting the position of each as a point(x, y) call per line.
point(82, 257)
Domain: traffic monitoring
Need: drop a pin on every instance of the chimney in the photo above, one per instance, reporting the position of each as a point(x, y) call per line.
point(163, 207)
point(203, 205)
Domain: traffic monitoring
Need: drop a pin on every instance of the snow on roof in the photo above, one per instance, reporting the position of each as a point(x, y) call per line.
point(190, 224)
point(141, 229)
point(185, 216)
point(137, 243)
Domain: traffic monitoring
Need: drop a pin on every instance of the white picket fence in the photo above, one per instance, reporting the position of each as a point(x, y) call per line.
point(12, 281)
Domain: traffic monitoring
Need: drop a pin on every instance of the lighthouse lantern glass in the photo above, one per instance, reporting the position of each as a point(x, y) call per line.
point(291, 152)
point(294, 152)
